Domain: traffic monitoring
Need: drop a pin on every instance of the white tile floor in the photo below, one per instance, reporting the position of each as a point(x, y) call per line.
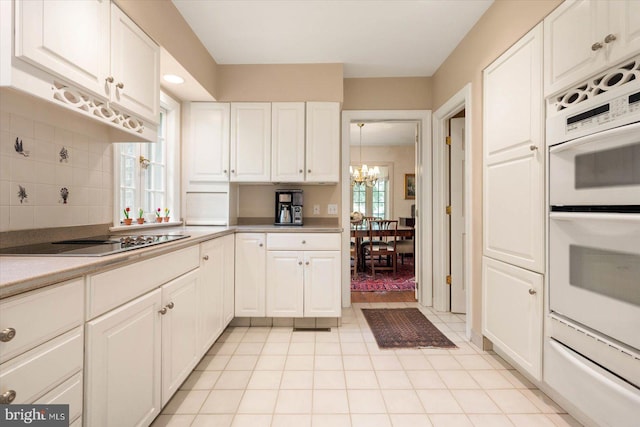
point(274, 377)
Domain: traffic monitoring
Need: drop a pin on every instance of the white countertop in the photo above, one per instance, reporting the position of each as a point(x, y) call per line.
point(20, 274)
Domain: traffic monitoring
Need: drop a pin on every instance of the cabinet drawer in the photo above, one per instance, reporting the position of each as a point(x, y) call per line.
point(40, 315)
point(38, 371)
point(110, 289)
point(303, 241)
point(67, 393)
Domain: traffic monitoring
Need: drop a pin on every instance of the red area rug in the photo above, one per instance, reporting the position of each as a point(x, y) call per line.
point(404, 279)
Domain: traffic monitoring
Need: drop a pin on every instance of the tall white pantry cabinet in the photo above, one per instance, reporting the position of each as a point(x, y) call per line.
point(513, 200)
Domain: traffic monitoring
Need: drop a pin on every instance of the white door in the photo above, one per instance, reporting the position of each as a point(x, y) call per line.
point(135, 68)
point(179, 326)
point(323, 142)
point(456, 198)
point(285, 290)
point(70, 39)
point(250, 275)
point(207, 144)
point(322, 284)
point(251, 142)
point(228, 296)
point(122, 369)
point(287, 141)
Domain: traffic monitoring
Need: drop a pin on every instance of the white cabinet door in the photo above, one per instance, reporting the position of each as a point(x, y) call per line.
point(250, 275)
point(322, 284)
point(512, 313)
point(287, 141)
point(69, 39)
point(624, 23)
point(206, 149)
point(179, 312)
point(122, 365)
point(228, 291)
point(210, 293)
point(514, 155)
point(135, 68)
point(285, 290)
point(251, 142)
point(323, 142)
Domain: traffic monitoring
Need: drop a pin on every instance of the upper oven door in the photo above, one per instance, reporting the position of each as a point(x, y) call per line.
point(601, 170)
point(594, 272)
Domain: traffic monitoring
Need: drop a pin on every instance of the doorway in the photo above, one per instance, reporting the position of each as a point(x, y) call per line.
point(422, 252)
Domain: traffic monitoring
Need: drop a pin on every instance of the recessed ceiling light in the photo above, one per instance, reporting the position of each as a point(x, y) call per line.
point(172, 78)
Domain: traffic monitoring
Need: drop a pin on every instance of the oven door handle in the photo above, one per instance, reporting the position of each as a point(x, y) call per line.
point(615, 137)
point(581, 216)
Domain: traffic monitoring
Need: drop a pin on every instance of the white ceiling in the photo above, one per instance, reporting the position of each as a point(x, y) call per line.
point(384, 133)
point(380, 38)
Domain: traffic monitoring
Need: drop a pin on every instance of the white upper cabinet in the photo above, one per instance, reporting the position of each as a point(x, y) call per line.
point(514, 155)
point(135, 68)
point(251, 142)
point(583, 37)
point(95, 47)
point(70, 39)
point(287, 141)
point(206, 148)
point(323, 142)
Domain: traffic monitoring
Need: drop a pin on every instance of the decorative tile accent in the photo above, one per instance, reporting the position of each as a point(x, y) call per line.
point(64, 155)
point(22, 193)
point(64, 193)
point(19, 148)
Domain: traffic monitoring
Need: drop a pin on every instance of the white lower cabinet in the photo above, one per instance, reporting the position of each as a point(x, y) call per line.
point(512, 313)
point(250, 269)
point(285, 284)
point(180, 324)
point(322, 284)
point(122, 368)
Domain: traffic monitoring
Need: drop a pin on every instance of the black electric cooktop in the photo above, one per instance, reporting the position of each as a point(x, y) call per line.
point(92, 246)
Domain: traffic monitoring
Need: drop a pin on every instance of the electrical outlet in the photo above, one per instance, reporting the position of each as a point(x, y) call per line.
point(316, 209)
point(332, 209)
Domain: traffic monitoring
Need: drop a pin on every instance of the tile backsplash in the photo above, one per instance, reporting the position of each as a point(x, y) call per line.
point(56, 168)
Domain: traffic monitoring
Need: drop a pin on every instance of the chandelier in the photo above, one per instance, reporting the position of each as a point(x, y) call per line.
point(362, 175)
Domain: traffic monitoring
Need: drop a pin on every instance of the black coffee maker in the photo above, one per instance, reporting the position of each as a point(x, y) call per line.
point(288, 207)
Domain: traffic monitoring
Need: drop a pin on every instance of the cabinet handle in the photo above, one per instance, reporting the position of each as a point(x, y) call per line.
point(596, 46)
point(308, 170)
point(120, 85)
point(304, 242)
point(233, 171)
point(532, 292)
point(533, 147)
point(163, 311)
point(306, 263)
point(301, 170)
point(299, 262)
point(8, 397)
point(206, 257)
point(170, 305)
point(610, 38)
point(260, 244)
point(224, 171)
point(109, 79)
point(7, 334)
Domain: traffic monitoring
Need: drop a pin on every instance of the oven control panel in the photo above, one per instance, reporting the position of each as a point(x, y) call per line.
point(613, 110)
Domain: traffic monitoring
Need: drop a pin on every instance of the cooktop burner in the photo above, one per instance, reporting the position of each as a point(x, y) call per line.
point(92, 246)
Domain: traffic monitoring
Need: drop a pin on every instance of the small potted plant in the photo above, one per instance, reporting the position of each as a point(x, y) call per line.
point(141, 216)
point(127, 220)
point(166, 214)
point(158, 217)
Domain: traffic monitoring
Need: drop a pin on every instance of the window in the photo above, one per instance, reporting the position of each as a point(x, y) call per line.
point(373, 201)
point(144, 170)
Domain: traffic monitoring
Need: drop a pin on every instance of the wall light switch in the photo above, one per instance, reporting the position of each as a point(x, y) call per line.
point(332, 209)
point(316, 209)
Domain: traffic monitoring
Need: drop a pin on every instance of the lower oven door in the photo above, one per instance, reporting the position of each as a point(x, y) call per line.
point(594, 272)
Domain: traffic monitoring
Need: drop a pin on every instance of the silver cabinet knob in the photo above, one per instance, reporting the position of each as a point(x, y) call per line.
point(224, 171)
point(306, 263)
point(7, 334)
point(308, 170)
point(120, 85)
point(233, 171)
point(304, 242)
point(170, 305)
point(299, 262)
point(533, 147)
point(532, 292)
point(8, 397)
point(596, 46)
point(610, 38)
point(260, 244)
point(163, 311)
point(301, 170)
point(206, 257)
point(109, 79)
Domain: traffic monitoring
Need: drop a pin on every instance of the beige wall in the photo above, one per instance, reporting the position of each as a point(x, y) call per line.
point(499, 28)
point(280, 83)
point(162, 21)
point(405, 93)
point(402, 160)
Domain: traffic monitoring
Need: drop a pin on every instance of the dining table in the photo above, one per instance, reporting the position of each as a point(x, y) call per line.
point(360, 231)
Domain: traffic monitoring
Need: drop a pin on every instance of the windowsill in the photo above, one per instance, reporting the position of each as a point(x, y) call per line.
point(146, 225)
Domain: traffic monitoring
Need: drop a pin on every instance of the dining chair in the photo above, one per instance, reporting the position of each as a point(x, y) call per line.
point(404, 247)
point(383, 237)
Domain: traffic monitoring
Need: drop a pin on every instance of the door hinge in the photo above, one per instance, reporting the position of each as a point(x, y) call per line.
point(448, 279)
point(447, 140)
point(448, 210)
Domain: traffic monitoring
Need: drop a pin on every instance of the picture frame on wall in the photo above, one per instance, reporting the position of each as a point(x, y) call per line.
point(409, 186)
